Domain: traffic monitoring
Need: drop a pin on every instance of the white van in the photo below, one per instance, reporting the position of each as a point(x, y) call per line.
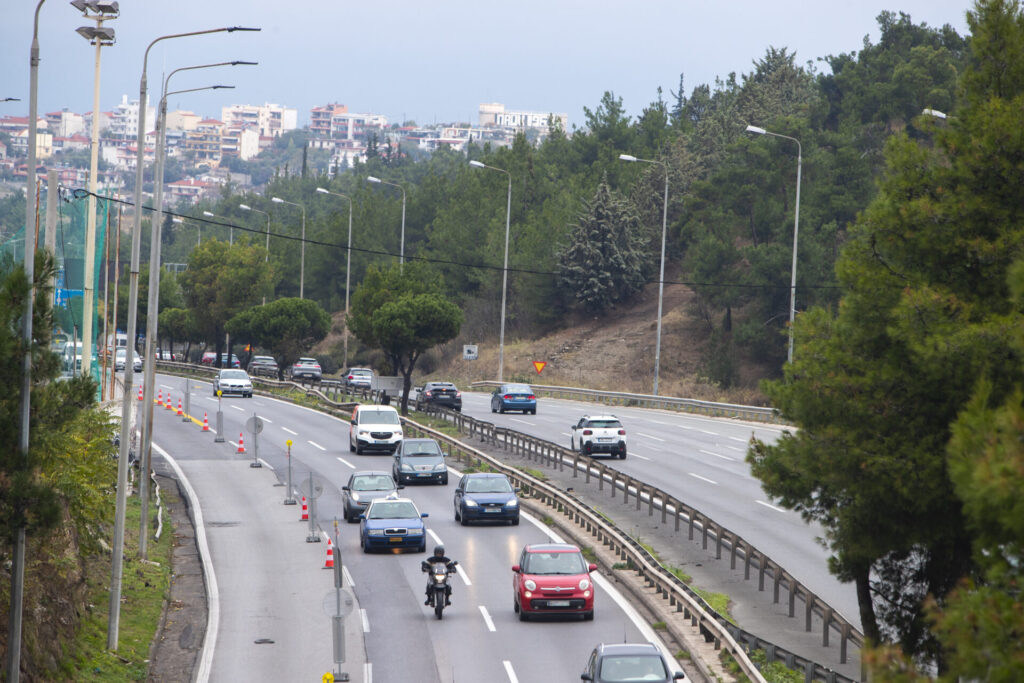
point(374, 428)
point(71, 358)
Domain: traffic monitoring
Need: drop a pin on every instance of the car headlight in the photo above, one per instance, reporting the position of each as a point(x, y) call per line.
point(440, 467)
point(407, 468)
point(375, 532)
point(530, 585)
point(512, 503)
point(415, 532)
point(355, 497)
point(470, 503)
point(362, 432)
point(584, 584)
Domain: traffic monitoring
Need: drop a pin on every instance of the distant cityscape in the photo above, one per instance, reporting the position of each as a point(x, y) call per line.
point(202, 145)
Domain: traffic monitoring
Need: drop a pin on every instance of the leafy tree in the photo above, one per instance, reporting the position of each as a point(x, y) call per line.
point(402, 311)
point(603, 265)
point(174, 325)
point(906, 400)
point(288, 328)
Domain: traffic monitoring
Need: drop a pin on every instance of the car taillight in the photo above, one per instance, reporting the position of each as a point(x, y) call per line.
point(532, 397)
point(429, 394)
point(507, 397)
point(458, 394)
point(350, 377)
point(588, 432)
point(622, 432)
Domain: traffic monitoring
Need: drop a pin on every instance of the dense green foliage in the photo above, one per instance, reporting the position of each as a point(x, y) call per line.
point(287, 328)
point(908, 398)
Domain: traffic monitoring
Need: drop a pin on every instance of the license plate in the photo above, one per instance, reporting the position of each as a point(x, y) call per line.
point(423, 474)
point(558, 603)
point(492, 510)
point(605, 439)
point(398, 539)
point(380, 441)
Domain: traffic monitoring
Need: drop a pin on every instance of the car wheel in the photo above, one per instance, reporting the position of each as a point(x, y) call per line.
point(515, 606)
point(458, 516)
point(533, 412)
point(588, 616)
point(351, 448)
point(366, 545)
point(523, 616)
point(501, 408)
point(444, 480)
point(515, 521)
point(423, 548)
point(622, 454)
point(493, 409)
point(359, 449)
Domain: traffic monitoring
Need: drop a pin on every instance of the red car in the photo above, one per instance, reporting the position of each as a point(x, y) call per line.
point(553, 578)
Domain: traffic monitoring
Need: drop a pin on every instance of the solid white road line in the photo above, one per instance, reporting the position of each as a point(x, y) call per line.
point(314, 444)
point(769, 505)
point(367, 672)
point(365, 619)
point(267, 464)
point(487, 619)
point(508, 670)
point(718, 455)
point(703, 478)
point(434, 536)
point(343, 461)
point(464, 577)
point(290, 431)
point(270, 422)
point(348, 577)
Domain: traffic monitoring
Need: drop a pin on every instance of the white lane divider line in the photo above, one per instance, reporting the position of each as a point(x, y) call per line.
point(348, 577)
point(237, 408)
point(365, 619)
point(704, 431)
point(343, 461)
point(741, 440)
point(718, 455)
point(166, 386)
point(648, 436)
point(511, 672)
point(769, 505)
point(290, 431)
point(465, 577)
point(642, 457)
point(269, 422)
point(487, 619)
point(434, 536)
point(210, 398)
point(367, 672)
point(267, 464)
point(703, 478)
point(735, 448)
point(233, 444)
point(516, 419)
point(314, 444)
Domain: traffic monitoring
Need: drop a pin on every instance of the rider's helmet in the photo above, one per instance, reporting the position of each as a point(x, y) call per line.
point(438, 551)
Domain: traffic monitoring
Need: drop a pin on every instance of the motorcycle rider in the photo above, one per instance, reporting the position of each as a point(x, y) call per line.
point(428, 565)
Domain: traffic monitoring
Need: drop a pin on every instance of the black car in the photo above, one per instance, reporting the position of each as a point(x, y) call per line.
point(263, 366)
point(443, 394)
point(617, 662)
point(420, 460)
point(486, 496)
point(362, 487)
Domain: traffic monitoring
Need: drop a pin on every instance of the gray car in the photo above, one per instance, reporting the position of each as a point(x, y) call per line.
point(232, 381)
point(419, 460)
point(362, 487)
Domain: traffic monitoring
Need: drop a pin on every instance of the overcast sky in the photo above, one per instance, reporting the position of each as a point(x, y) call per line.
point(432, 61)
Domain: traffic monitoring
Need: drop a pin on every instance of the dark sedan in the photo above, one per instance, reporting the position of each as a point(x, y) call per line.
point(420, 460)
point(485, 496)
point(514, 397)
point(444, 394)
point(362, 488)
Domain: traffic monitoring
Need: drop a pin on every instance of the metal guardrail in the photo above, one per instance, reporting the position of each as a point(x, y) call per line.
point(688, 405)
point(754, 560)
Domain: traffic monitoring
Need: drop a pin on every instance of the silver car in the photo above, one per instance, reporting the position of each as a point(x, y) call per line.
point(232, 381)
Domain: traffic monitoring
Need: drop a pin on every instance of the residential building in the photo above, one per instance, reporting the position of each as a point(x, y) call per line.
point(335, 121)
point(191, 190)
point(203, 144)
point(64, 123)
point(124, 120)
point(181, 119)
point(494, 114)
point(270, 119)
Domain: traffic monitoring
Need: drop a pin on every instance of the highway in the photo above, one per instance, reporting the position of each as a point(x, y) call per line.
point(273, 624)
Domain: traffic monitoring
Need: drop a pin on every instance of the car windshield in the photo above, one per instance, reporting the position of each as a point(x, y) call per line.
point(623, 669)
point(518, 389)
point(488, 485)
point(234, 374)
point(378, 417)
point(392, 510)
point(554, 563)
point(121, 354)
point(372, 482)
point(421, 448)
point(307, 361)
point(360, 373)
point(263, 360)
point(440, 385)
point(604, 423)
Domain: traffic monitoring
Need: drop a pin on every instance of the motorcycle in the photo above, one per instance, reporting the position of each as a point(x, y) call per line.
point(439, 574)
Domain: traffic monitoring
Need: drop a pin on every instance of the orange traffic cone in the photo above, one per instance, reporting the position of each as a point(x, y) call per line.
point(241, 444)
point(167, 405)
point(329, 564)
point(159, 396)
point(305, 511)
point(140, 392)
point(180, 412)
point(206, 422)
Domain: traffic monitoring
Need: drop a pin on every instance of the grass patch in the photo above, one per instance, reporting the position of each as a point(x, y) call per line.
point(680, 574)
point(622, 565)
point(548, 521)
point(659, 626)
point(717, 601)
point(144, 587)
point(682, 654)
point(536, 474)
point(604, 516)
point(775, 672)
point(589, 553)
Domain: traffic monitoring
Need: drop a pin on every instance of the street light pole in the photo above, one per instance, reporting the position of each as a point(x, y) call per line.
point(117, 550)
point(348, 262)
point(266, 258)
point(796, 229)
point(231, 229)
point(98, 36)
point(401, 245)
point(661, 276)
point(302, 250)
point(504, 268)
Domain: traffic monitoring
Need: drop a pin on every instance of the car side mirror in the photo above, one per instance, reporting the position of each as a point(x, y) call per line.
point(679, 676)
point(516, 489)
point(591, 567)
point(424, 514)
point(362, 516)
point(516, 568)
point(345, 488)
point(586, 677)
point(400, 486)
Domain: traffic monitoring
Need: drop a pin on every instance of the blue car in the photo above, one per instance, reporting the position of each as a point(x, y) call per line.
point(392, 522)
point(486, 496)
point(514, 397)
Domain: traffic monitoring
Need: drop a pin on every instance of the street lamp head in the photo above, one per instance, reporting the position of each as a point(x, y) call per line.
point(277, 200)
point(755, 129)
point(103, 34)
point(476, 163)
point(106, 9)
point(239, 62)
point(934, 112)
point(232, 29)
point(207, 213)
point(372, 179)
point(322, 190)
point(222, 87)
point(627, 157)
point(245, 207)
point(175, 219)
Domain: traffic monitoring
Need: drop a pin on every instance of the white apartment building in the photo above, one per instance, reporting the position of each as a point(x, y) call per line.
point(181, 119)
point(494, 114)
point(269, 120)
point(124, 120)
point(65, 124)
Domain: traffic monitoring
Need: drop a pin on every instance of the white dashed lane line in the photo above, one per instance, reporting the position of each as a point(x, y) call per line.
point(487, 619)
point(345, 462)
point(365, 620)
point(437, 539)
point(648, 436)
point(266, 420)
point(769, 505)
point(637, 455)
point(510, 671)
point(314, 444)
point(237, 408)
point(697, 476)
point(718, 455)
point(290, 431)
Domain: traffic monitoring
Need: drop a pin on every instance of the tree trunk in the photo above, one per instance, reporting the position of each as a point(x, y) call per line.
point(862, 579)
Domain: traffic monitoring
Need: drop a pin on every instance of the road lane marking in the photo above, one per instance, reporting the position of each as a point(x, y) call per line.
point(348, 577)
point(464, 577)
point(704, 431)
point(736, 438)
point(769, 505)
point(346, 462)
point(648, 436)
point(735, 448)
point(718, 455)
point(237, 408)
point(365, 619)
point(487, 619)
point(516, 419)
point(267, 464)
point(314, 444)
point(368, 672)
point(508, 669)
point(210, 398)
point(166, 386)
point(642, 457)
point(434, 536)
point(270, 422)
point(703, 478)
point(290, 431)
